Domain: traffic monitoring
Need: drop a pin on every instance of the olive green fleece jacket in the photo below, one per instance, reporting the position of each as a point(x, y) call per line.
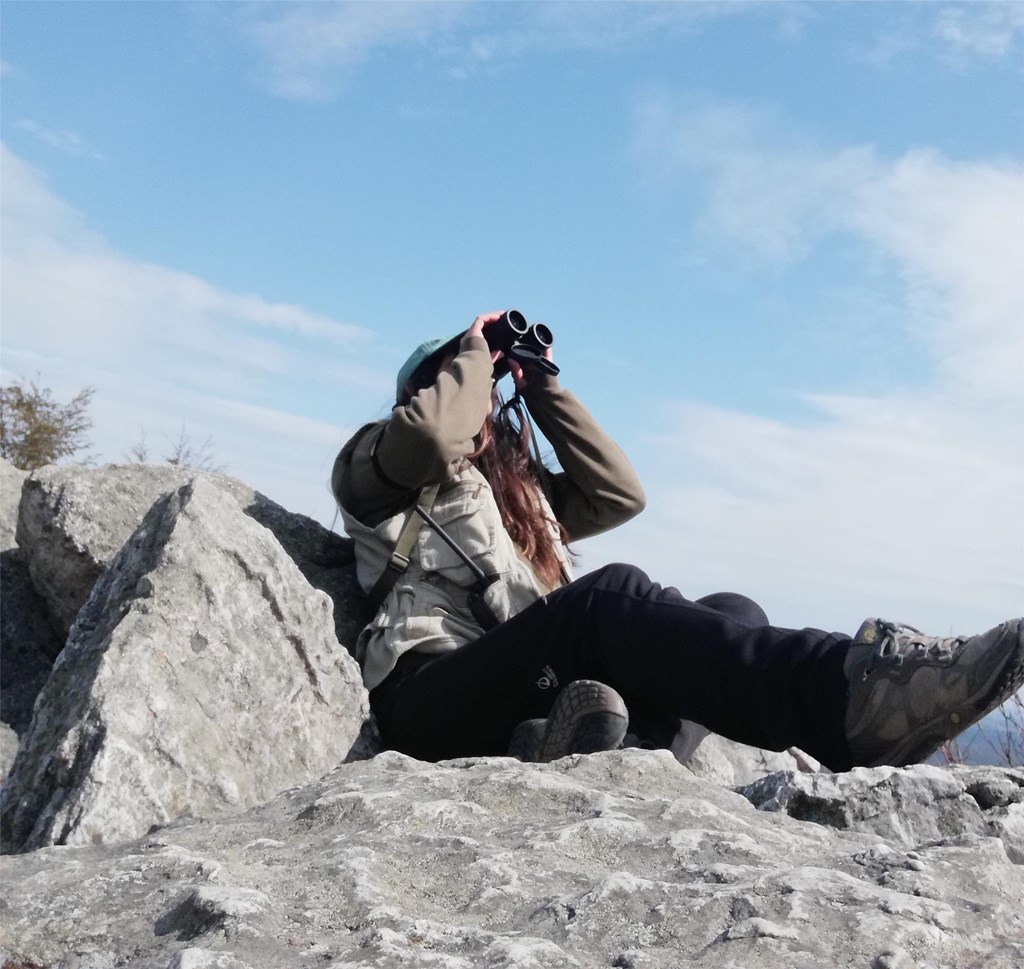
point(427, 440)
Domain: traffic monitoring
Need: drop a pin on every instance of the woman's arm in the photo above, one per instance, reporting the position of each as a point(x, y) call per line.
point(426, 440)
point(423, 442)
point(598, 488)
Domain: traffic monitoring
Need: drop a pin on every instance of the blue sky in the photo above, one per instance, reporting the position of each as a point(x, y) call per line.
point(780, 245)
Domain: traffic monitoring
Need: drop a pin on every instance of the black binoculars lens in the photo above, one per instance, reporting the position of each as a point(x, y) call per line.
point(543, 335)
point(516, 321)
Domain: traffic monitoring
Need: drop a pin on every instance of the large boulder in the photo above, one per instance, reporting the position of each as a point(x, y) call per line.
point(74, 520)
point(202, 676)
point(620, 859)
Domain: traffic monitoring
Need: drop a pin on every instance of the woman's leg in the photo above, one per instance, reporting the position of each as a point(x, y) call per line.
point(651, 728)
point(760, 685)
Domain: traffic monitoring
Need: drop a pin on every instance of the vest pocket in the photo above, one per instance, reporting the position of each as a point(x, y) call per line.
point(473, 532)
point(427, 621)
point(440, 630)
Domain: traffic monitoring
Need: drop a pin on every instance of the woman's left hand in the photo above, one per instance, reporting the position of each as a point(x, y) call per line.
point(519, 375)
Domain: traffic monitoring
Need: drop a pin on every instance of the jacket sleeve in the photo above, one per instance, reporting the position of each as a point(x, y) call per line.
point(597, 488)
point(424, 442)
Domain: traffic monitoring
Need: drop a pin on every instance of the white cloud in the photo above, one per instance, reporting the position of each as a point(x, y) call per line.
point(304, 49)
point(957, 231)
point(892, 506)
point(908, 503)
point(959, 34)
point(65, 141)
point(64, 282)
point(309, 431)
point(952, 229)
point(306, 44)
point(164, 347)
point(562, 26)
point(768, 199)
point(980, 30)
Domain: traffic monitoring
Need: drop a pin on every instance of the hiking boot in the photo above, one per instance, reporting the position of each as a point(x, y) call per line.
point(587, 716)
point(910, 693)
point(527, 739)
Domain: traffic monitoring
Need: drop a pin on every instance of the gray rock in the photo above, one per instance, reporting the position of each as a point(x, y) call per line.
point(733, 764)
point(73, 521)
point(621, 859)
point(196, 958)
point(894, 959)
point(11, 480)
point(918, 805)
point(8, 748)
point(202, 676)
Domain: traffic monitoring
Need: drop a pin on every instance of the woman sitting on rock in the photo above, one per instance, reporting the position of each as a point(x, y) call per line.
point(482, 645)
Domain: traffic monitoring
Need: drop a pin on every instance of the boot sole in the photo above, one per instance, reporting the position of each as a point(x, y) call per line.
point(588, 716)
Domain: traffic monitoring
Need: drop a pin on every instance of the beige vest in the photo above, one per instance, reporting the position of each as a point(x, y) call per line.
point(427, 609)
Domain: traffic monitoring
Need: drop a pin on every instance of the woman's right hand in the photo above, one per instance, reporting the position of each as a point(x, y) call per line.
point(477, 329)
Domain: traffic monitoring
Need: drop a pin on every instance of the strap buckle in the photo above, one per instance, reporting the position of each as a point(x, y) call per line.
point(398, 562)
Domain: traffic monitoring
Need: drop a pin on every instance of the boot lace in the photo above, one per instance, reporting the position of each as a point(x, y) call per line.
point(900, 644)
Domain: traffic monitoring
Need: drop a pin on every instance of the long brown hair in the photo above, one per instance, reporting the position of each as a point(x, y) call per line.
point(506, 455)
point(506, 459)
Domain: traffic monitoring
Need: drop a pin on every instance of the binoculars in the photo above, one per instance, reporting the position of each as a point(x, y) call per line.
point(520, 341)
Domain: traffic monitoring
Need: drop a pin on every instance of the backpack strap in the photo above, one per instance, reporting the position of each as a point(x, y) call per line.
point(399, 561)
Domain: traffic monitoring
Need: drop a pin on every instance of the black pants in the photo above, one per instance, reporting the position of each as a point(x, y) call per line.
point(716, 662)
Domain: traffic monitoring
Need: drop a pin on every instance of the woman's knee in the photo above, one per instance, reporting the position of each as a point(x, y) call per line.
point(737, 607)
point(619, 576)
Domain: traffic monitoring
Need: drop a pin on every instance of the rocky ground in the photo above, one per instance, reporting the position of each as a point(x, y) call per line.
point(198, 783)
point(623, 859)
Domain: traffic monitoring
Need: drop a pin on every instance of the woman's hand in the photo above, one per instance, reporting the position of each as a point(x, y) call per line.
point(519, 376)
point(477, 329)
